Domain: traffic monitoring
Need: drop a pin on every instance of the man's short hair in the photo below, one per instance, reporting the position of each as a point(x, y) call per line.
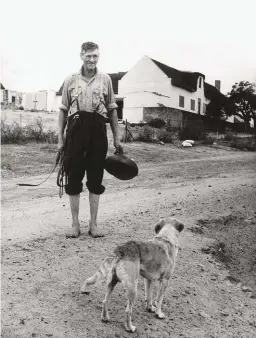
point(89, 46)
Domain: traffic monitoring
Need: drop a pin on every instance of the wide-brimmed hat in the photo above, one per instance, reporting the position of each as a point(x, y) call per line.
point(121, 166)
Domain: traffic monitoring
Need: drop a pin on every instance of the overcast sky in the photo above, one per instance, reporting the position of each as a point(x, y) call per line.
point(41, 39)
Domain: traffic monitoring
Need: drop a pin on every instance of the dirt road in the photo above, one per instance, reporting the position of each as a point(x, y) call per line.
point(213, 289)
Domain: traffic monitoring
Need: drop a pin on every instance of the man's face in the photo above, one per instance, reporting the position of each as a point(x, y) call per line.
point(90, 58)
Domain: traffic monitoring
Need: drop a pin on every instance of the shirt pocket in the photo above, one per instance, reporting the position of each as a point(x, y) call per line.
point(72, 93)
point(96, 97)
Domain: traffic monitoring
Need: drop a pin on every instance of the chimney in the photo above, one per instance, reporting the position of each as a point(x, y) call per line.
point(217, 84)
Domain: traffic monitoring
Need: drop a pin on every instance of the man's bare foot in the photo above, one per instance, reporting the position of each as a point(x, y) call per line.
point(74, 232)
point(95, 232)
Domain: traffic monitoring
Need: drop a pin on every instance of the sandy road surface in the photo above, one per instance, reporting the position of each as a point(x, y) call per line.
point(42, 271)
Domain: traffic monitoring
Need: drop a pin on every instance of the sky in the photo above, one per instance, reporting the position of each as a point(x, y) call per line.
point(41, 39)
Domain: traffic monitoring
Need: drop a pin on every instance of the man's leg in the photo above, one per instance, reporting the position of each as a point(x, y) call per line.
point(94, 207)
point(74, 206)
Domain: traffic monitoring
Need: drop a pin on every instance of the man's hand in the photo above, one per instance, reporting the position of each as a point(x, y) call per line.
point(119, 147)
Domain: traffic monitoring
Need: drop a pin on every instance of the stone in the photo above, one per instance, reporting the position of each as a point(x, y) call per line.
point(246, 288)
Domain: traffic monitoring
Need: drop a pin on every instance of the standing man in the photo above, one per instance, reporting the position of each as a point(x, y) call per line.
point(87, 101)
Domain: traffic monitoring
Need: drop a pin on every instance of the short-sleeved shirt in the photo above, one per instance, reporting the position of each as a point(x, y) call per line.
point(95, 95)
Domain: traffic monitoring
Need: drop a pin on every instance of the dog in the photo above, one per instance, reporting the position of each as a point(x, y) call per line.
point(154, 260)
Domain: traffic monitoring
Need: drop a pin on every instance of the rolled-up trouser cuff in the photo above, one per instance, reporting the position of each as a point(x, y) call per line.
point(74, 189)
point(97, 190)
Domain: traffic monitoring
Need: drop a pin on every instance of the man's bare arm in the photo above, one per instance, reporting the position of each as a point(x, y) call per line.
point(113, 120)
point(62, 120)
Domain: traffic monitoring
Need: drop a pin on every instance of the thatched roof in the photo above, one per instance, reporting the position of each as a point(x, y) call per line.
point(182, 79)
point(2, 87)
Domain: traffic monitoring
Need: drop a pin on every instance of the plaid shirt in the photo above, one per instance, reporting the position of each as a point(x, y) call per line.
point(95, 95)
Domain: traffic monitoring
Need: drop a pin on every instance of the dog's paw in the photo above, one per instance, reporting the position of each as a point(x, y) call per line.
point(130, 328)
point(160, 315)
point(151, 308)
point(105, 317)
point(84, 289)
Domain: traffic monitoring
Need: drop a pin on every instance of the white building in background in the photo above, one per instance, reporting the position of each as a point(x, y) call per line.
point(10, 98)
point(151, 89)
point(43, 100)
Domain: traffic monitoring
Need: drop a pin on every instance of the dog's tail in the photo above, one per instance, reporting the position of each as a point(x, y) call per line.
point(103, 273)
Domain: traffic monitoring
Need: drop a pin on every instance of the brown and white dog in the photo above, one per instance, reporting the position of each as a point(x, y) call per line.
point(154, 260)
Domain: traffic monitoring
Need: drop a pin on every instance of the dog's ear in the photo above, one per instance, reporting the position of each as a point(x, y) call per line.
point(159, 225)
point(178, 225)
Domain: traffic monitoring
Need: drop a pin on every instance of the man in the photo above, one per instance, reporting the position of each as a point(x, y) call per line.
point(87, 101)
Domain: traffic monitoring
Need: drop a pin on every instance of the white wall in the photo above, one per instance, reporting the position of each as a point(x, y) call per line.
point(51, 100)
point(133, 115)
point(46, 100)
point(146, 85)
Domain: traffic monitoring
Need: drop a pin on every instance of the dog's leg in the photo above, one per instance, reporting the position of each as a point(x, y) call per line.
point(128, 273)
point(110, 288)
point(159, 299)
point(132, 294)
point(89, 281)
point(148, 295)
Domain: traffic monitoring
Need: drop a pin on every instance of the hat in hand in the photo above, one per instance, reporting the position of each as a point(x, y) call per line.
point(121, 167)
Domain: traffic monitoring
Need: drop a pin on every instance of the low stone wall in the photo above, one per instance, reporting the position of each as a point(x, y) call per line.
point(171, 115)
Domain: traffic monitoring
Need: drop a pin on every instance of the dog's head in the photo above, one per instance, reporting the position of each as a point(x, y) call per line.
point(168, 228)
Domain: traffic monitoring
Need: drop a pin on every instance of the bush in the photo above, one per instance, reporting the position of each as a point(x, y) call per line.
point(11, 133)
point(193, 133)
point(146, 134)
point(165, 136)
point(157, 123)
point(33, 132)
point(244, 144)
point(21, 108)
point(229, 136)
point(209, 141)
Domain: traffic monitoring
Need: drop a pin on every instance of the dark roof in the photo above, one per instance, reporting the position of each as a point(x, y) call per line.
point(2, 87)
point(115, 77)
point(212, 93)
point(183, 79)
point(188, 81)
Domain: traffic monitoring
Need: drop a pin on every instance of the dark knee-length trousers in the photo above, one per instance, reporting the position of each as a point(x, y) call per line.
point(86, 148)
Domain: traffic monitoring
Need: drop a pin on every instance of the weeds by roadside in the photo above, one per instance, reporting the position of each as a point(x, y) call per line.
point(14, 134)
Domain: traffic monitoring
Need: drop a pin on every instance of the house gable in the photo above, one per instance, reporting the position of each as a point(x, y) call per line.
point(145, 70)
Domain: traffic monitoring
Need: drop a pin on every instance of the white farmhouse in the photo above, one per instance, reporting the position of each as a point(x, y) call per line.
point(151, 89)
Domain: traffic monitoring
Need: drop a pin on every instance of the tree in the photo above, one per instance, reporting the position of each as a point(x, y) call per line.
point(243, 97)
point(219, 109)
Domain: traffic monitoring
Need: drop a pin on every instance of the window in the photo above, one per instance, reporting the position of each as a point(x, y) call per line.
point(199, 106)
point(200, 82)
point(204, 109)
point(181, 101)
point(193, 105)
